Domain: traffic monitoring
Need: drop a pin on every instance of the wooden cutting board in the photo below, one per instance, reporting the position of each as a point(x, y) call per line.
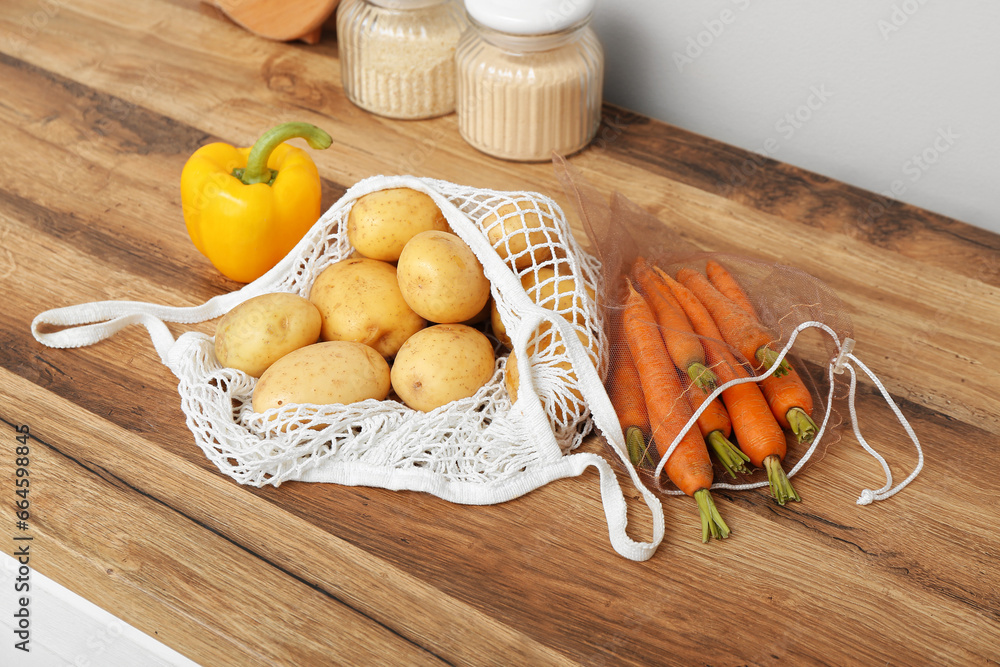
point(280, 21)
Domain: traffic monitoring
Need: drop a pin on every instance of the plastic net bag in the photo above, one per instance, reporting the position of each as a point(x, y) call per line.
point(754, 350)
point(518, 432)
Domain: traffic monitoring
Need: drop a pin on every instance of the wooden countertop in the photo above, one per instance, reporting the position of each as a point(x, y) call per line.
point(104, 102)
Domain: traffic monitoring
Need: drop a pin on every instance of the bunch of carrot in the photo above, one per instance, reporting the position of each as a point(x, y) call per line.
point(684, 327)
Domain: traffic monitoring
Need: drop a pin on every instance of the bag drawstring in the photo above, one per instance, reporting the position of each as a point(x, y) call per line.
point(867, 495)
point(838, 364)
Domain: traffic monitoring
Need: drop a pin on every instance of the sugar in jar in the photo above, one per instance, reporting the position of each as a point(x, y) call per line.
point(397, 57)
point(530, 76)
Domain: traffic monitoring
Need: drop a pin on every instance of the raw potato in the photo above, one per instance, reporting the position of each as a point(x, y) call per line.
point(441, 364)
point(557, 293)
point(360, 301)
point(381, 223)
point(564, 368)
point(529, 237)
point(554, 287)
point(261, 330)
point(512, 376)
point(323, 373)
point(482, 316)
point(441, 279)
point(499, 329)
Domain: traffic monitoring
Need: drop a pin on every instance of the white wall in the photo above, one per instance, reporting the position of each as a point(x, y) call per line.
point(900, 97)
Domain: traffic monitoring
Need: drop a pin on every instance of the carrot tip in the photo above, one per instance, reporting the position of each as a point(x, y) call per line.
point(712, 524)
point(704, 378)
point(732, 459)
point(781, 486)
point(802, 425)
point(766, 356)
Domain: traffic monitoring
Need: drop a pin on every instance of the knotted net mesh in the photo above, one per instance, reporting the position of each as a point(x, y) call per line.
point(544, 287)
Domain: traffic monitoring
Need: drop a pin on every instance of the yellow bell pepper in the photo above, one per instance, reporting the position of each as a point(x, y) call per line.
point(246, 208)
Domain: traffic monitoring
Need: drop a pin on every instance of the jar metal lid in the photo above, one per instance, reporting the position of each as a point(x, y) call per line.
point(529, 17)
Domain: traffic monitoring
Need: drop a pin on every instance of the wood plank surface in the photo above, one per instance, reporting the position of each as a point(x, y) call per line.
point(106, 100)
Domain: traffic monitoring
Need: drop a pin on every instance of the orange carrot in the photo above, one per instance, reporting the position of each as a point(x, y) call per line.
point(756, 428)
point(701, 321)
point(626, 397)
point(790, 400)
point(738, 327)
point(627, 400)
point(629, 405)
point(791, 403)
point(758, 433)
point(716, 428)
point(689, 466)
point(682, 343)
point(760, 436)
point(726, 283)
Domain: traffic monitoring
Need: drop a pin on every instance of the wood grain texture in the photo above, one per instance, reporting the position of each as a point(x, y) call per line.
point(110, 101)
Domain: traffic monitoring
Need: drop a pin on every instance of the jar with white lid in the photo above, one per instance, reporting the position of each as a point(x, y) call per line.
point(530, 78)
point(397, 57)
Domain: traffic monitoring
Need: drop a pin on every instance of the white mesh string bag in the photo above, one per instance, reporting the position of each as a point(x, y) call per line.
point(483, 449)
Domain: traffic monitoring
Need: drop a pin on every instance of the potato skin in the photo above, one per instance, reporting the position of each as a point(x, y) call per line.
point(324, 373)
point(556, 290)
point(442, 363)
point(482, 316)
point(381, 223)
point(499, 328)
point(527, 235)
point(512, 376)
point(360, 301)
point(547, 336)
point(262, 329)
point(441, 279)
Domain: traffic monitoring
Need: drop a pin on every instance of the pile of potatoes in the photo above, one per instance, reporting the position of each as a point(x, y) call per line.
point(403, 315)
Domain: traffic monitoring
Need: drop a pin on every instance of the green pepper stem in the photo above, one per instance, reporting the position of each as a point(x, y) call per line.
point(712, 524)
point(257, 171)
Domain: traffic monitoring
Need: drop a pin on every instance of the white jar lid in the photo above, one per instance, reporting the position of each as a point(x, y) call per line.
point(529, 17)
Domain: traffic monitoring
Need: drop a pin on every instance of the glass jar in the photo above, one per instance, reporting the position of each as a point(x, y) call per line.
point(530, 78)
point(397, 57)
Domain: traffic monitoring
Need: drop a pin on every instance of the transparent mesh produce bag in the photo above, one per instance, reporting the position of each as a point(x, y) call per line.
point(518, 432)
point(729, 326)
